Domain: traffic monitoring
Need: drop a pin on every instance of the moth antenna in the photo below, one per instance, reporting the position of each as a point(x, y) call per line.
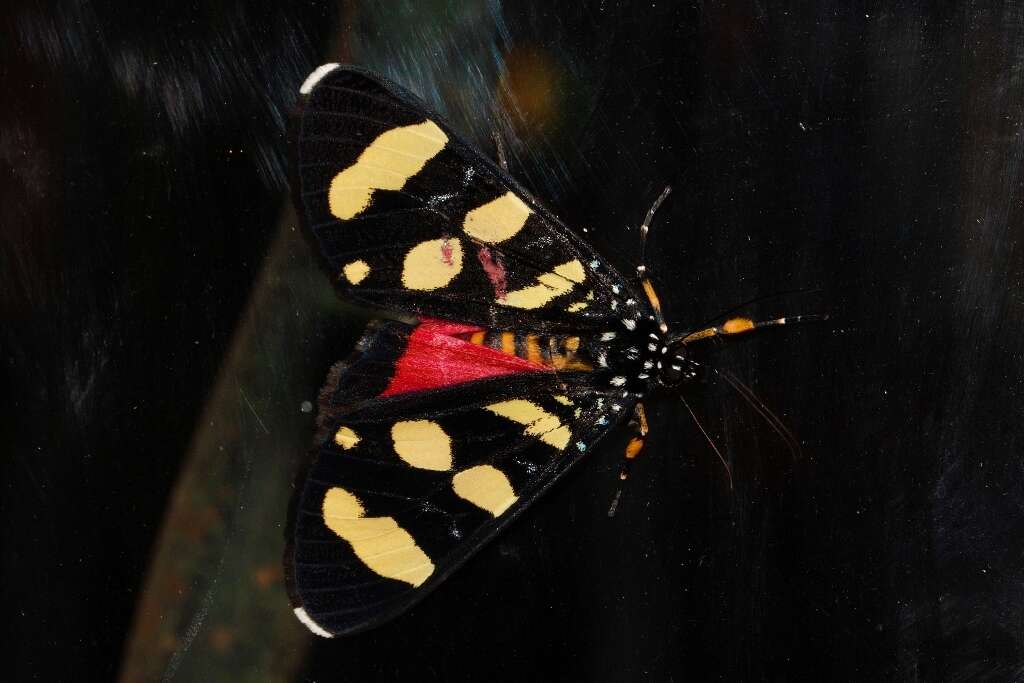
point(645, 228)
point(734, 326)
point(773, 420)
point(728, 469)
point(756, 299)
point(641, 270)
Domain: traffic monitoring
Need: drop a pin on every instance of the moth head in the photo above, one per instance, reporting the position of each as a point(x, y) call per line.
point(676, 367)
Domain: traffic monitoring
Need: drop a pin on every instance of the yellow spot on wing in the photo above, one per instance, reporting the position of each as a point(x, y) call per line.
point(497, 220)
point(342, 505)
point(382, 545)
point(573, 270)
point(580, 305)
point(346, 438)
point(486, 487)
point(423, 444)
point(432, 264)
point(389, 161)
point(549, 285)
point(539, 422)
point(356, 271)
point(564, 400)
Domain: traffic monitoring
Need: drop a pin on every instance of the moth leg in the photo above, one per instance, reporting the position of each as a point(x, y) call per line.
point(636, 444)
point(499, 147)
point(633, 448)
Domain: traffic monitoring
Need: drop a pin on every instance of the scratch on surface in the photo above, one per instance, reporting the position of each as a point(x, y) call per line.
point(193, 629)
point(245, 398)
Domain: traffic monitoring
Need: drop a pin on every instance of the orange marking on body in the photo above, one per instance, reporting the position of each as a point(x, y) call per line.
point(478, 338)
point(533, 349)
point(634, 447)
point(555, 357)
point(508, 343)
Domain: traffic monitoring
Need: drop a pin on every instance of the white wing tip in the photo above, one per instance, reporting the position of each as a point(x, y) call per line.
point(308, 622)
point(314, 78)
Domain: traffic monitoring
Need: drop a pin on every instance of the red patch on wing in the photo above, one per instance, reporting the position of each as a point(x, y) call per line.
point(435, 358)
point(446, 252)
point(495, 269)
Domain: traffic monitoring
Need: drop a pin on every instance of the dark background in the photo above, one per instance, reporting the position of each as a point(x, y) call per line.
point(163, 323)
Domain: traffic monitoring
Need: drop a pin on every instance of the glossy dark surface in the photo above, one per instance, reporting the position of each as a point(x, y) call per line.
point(836, 159)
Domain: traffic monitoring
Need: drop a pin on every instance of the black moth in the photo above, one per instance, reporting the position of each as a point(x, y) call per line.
point(529, 347)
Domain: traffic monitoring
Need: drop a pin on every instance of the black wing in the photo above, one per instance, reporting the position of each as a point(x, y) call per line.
point(405, 488)
point(411, 219)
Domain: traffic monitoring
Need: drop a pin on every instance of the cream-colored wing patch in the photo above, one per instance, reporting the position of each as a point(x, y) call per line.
point(539, 422)
point(577, 306)
point(378, 542)
point(486, 487)
point(356, 271)
point(432, 264)
point(497, 220)
point(389, 161)
point(346, 438)
point(422, 444)
point(549, 285)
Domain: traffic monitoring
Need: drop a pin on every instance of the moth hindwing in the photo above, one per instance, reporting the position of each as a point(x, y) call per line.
point(433, 436)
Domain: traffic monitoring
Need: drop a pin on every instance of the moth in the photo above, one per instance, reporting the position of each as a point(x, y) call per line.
point(527, 347)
